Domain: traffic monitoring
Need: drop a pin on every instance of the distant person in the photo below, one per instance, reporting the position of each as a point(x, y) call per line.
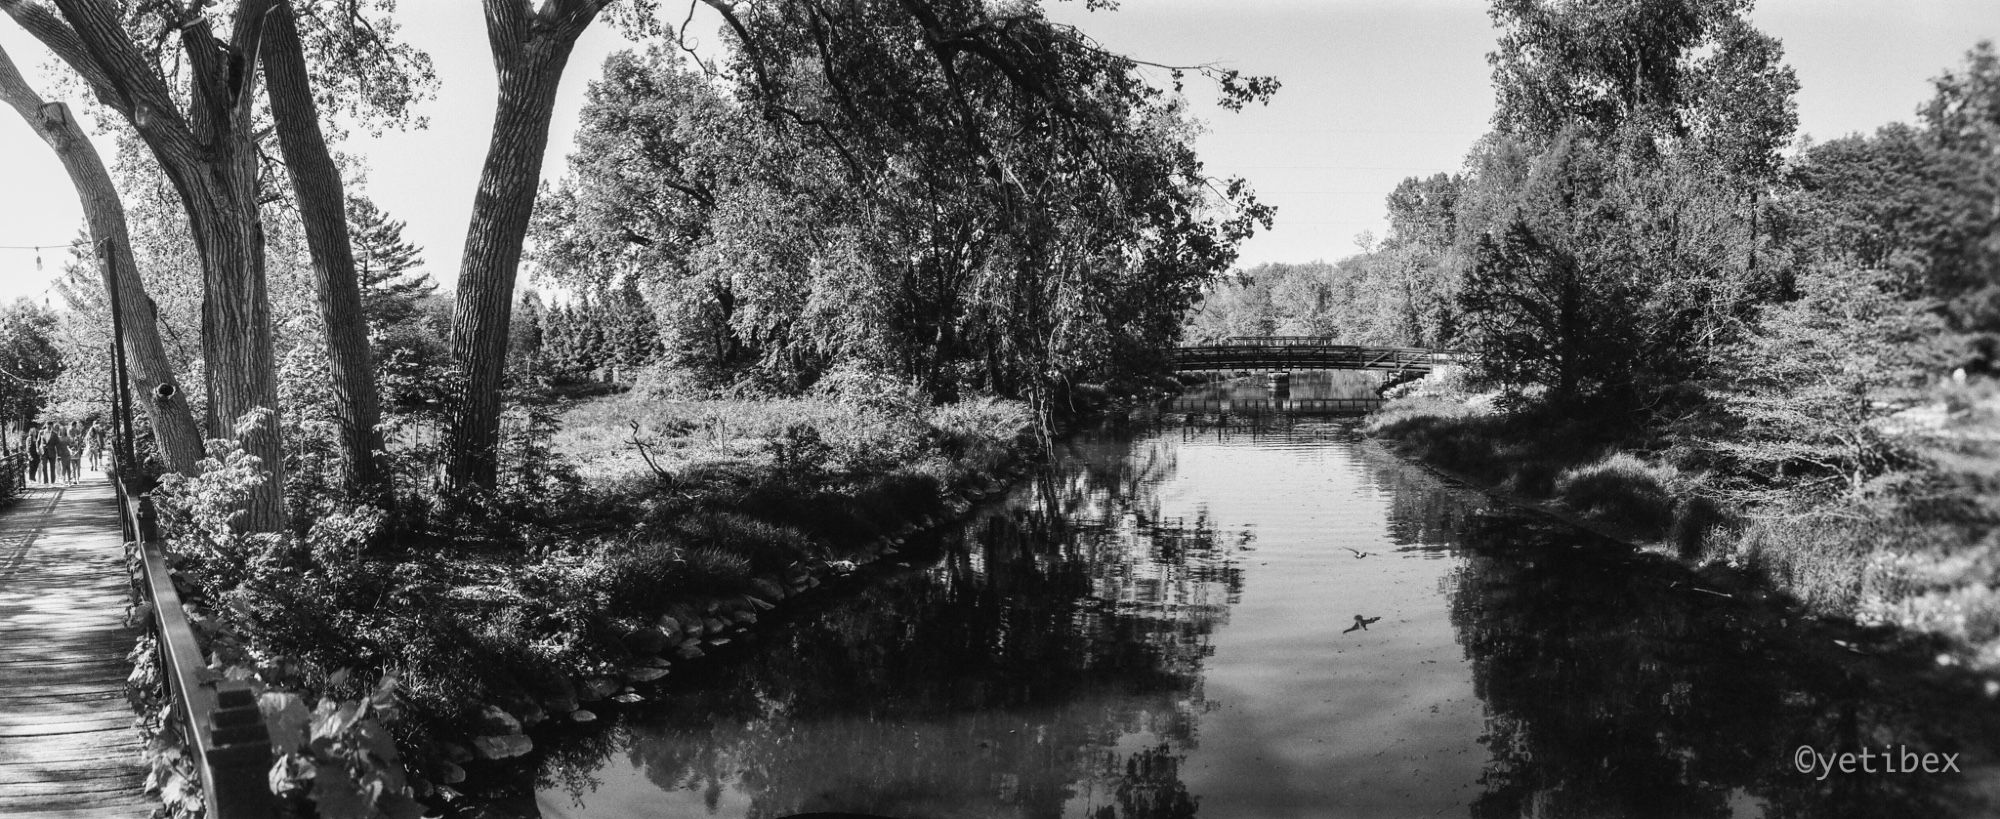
point(93, 446)
point(55, 456)
point(33, 446)
point(74, 463)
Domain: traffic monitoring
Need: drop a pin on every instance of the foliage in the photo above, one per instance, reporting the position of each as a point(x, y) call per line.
point(1025, 212)
point(339, 755)
point(589, 338)
point(1621, 488)
point(1810, 388)
point(1653, 70)
point(29, 362)
point(1398, 296)
point(1538, 314)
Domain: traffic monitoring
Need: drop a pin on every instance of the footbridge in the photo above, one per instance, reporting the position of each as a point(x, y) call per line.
point(1273, 353)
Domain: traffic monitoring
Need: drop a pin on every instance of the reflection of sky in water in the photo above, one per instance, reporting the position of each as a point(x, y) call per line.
point(1186, 641)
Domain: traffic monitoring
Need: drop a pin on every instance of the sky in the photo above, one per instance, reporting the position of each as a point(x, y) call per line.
point(1373, 91)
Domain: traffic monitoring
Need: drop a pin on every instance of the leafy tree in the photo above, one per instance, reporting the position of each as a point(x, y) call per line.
point(1964, 113)
point(151, 370)
point(1538, 312)
point(1812, 385)
point(1423, 211)
point(1025, 205)
point(190, 96)
point(1660, 68)
point(28, 362)
point(1963, 118)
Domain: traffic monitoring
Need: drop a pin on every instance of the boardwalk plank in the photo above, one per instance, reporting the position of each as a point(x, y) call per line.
point(67, 747)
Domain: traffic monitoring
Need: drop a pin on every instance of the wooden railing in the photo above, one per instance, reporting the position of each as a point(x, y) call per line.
point(219, 719)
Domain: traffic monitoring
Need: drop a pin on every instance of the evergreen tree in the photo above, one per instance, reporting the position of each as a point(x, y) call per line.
point(524, 343)
point(389, 267)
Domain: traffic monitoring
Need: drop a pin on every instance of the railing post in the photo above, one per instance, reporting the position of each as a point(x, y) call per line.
point(237, 756)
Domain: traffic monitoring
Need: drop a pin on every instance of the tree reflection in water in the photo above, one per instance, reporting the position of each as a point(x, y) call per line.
point(1051, 663)
point(1613, 692)
point(1048, 665)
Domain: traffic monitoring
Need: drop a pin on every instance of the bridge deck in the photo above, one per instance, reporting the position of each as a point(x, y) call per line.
point(67, 746)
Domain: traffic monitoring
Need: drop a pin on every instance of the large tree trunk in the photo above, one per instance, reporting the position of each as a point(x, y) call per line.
point(236, 337)
point(173, 425)
point(322, 205)
point(530, 51)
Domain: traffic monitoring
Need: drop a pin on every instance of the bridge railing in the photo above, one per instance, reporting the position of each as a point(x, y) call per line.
point(219, 719)
point(1293, 352)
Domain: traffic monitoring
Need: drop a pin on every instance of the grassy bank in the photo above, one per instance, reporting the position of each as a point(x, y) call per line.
point(629, 533)
point(1917, 549)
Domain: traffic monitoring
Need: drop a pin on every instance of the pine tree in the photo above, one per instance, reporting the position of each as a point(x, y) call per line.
point(638, 335)
point(524, 343)
point(384, 262)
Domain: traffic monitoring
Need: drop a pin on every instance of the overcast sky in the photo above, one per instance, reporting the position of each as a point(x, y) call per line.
point(1374, 91)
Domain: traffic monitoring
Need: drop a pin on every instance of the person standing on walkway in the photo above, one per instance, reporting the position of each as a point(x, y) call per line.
point(74, 464)
point(55, 456)
point(93, 446)
point(33, 447)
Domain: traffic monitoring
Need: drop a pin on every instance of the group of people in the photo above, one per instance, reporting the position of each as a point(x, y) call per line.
point(56, 452)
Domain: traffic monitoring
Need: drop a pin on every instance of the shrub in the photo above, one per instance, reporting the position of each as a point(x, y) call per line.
point(1621, 488)
point(1698, 523)
point(1821, 557)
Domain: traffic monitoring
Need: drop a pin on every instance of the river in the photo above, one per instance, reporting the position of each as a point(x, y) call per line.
point(1271, 616)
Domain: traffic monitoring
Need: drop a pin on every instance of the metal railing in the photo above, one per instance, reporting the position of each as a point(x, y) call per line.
point(224, 730)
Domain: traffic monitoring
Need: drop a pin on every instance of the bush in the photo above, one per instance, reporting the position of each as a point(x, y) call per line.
point(1622, 489)
point(1820, 557)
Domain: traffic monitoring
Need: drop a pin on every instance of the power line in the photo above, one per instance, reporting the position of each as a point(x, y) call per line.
point(50, 246)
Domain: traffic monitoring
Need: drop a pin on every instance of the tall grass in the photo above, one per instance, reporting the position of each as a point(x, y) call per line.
point(1621, 487)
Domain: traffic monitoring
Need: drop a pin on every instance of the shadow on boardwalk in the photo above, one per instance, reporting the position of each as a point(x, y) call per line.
point(67, 746)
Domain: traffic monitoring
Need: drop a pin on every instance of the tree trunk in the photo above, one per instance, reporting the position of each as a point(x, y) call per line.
point(236, 334)
point(530, 51)
point(322, 205)
point(211, 158)
point(174, 430)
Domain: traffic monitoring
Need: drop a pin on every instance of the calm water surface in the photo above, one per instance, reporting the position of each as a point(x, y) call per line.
point(1165, 626)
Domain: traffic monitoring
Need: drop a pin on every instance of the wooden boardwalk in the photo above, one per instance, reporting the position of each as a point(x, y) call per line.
point(67, 746)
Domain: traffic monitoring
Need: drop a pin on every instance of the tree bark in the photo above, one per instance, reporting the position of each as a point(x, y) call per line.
point(530, 50)
point(322, 205)
point(174, 430)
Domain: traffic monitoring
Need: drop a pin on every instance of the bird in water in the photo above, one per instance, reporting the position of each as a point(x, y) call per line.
point(1361, 623)
point(1357, 552)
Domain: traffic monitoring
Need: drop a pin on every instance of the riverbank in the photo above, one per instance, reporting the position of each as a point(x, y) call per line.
point(1919, 550)
point(629, 533)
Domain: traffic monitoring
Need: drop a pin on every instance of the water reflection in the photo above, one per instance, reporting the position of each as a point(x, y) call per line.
point(1154, 629)
point(1000, 681)
point(1611, 691)
point(1277, 394)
